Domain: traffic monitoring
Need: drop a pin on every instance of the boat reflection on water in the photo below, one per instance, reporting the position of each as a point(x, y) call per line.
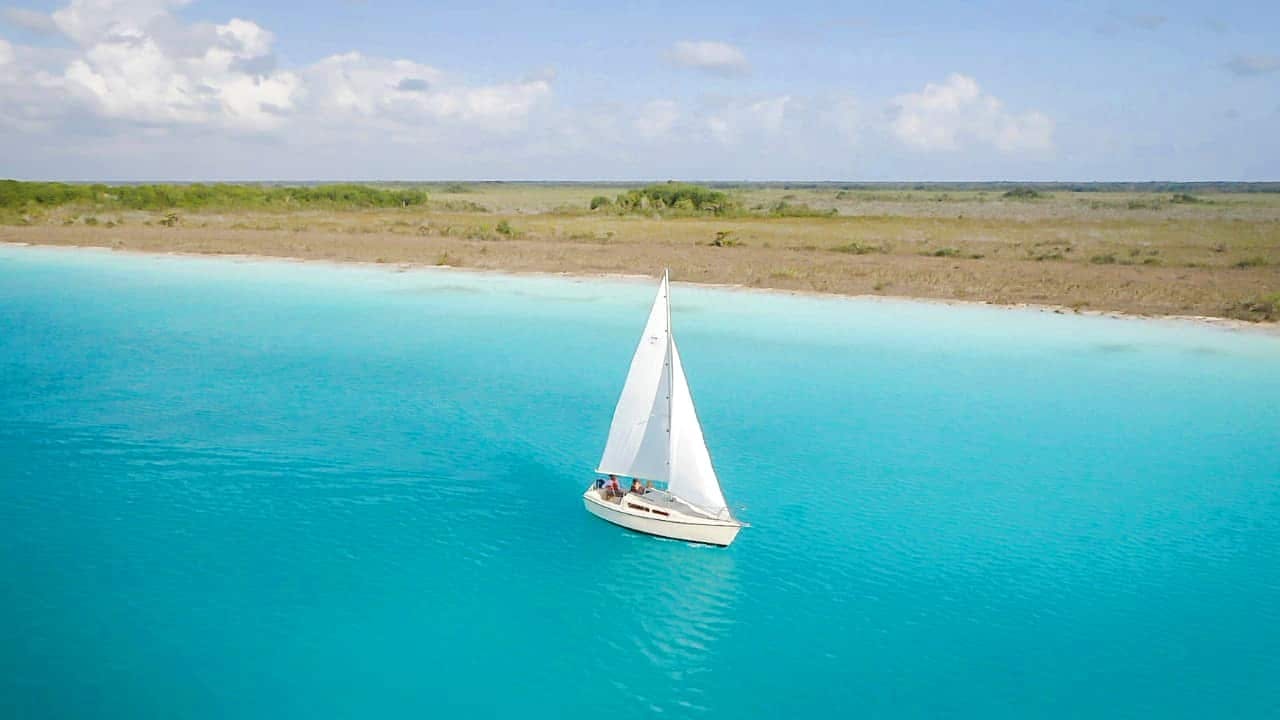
point(666, 606)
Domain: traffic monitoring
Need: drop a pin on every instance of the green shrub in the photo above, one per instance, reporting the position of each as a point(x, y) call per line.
point(1255, 261)
point(1155, 204)
point(1108, 259)
point(600, 201)
point(855, 248)
point(196, 196)
point(1024, 194)
point(786, 209)
point(724, 238)
point(504, 228)
point(673, 195)
point(466, 206)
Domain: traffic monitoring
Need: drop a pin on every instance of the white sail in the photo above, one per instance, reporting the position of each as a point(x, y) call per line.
point(691, 478)
point(639, 444)
point(655, 434)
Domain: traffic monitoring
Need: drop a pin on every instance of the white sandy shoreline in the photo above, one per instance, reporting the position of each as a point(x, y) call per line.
point(1268, 329)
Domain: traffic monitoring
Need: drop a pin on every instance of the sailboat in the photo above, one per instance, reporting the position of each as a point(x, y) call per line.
point(655, 437)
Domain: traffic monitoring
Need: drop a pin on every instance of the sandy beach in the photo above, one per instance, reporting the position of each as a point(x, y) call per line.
point(1224, 323)
point(1104, 252)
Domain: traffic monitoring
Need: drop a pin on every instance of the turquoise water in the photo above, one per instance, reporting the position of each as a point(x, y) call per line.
point(235, 489)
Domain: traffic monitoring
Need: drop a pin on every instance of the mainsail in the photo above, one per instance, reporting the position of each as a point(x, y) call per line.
point(655, 434)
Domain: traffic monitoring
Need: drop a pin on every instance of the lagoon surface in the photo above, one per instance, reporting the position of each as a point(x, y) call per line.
point(275, 490)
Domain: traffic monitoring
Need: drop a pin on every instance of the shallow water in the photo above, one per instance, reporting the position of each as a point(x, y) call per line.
point(268, 489)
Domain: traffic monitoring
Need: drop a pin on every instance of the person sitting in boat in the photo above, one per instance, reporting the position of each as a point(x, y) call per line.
point(614, 490)
point(599, 483)
point(637, 487)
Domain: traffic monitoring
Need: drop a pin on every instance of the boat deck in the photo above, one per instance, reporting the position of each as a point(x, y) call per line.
point(653, 500)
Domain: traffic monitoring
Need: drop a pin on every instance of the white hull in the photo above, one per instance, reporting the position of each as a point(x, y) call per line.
point(636, 513)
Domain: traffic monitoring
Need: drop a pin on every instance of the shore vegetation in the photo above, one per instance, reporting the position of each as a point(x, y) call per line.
point(1160, 248)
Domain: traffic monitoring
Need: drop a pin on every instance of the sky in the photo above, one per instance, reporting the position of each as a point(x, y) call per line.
point(845, 91)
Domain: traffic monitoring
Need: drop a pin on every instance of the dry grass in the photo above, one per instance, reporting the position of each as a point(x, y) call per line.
point(1132, 252)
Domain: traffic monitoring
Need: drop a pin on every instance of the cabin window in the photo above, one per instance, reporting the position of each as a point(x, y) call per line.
point(634, 506)
point(664, 513)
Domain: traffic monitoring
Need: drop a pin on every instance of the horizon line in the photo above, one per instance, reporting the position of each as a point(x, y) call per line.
point(632, 181)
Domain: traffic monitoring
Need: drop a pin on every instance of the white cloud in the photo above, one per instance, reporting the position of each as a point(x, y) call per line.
point(656, 118)
point(31, 20)
point(178, 98)
point(956, 114)
point(29, 96)
point(736, 121)
point(127, 71)
point(353, 86)
point(709, 55)
point(138, 61)
point(88, 21)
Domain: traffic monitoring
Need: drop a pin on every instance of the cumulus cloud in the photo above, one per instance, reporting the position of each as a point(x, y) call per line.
point(353, 86)
point(709, 55)
point(127, 72)
point(180, 98)
point(30, 20)
point(87, 21)
point(1246, 65)
point(139, 62)
point(956, 114)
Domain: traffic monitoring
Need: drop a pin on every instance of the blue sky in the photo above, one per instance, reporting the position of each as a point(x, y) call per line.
point(166, 89)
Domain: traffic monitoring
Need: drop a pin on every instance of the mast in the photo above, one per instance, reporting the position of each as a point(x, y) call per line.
point(640, 436)
point(664, 444)
point(666, 282)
